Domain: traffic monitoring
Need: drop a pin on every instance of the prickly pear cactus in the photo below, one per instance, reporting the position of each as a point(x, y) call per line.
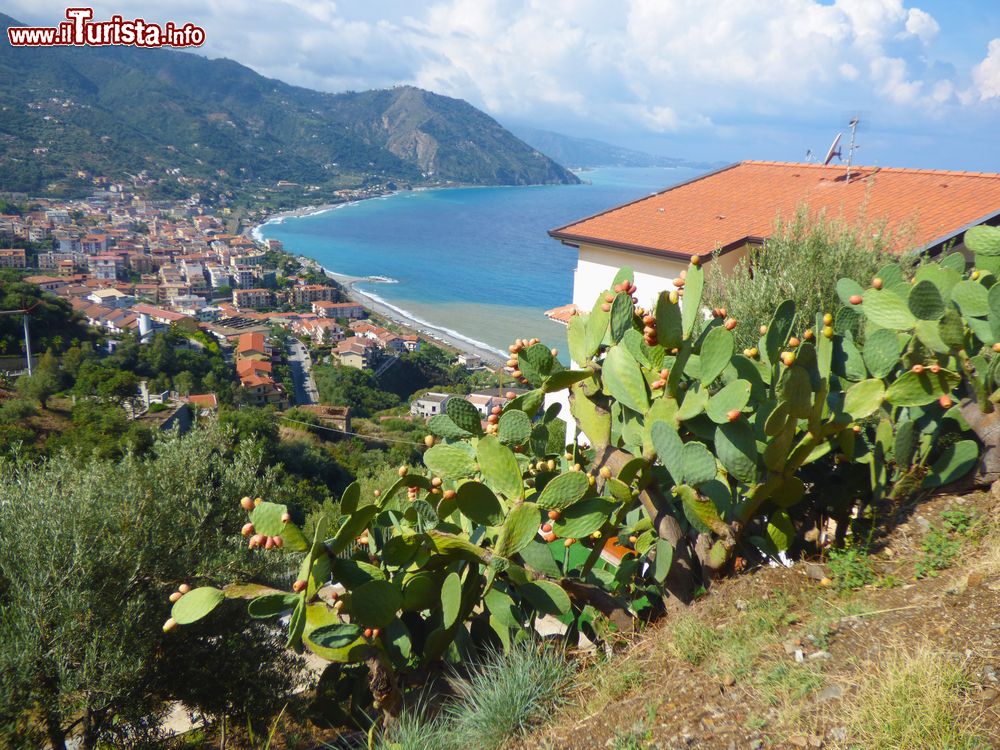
point(688, 454)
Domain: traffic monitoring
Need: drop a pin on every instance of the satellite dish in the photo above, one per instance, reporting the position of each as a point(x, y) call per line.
point(834, 150)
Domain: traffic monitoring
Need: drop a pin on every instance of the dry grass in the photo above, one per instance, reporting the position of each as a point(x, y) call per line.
point(912, 699)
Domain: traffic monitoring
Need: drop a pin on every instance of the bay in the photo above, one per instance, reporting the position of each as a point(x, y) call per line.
point(475, 263)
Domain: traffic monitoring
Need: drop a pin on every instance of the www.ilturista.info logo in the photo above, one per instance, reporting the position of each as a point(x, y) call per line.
point(80, 31)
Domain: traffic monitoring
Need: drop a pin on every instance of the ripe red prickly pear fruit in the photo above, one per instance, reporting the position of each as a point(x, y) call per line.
point(678, 282)
point(793, 342)
point(546, 528)
point(855, 299)
point(169, 625)
point(550, 537)
point(279, 542)
point(175, 596)
point(375, 632)
point(946, 402)
point(569, 542)
point(449, 494)
point(247, 529)
point(286, 517)
point(246, 503)
point(695, 260)
point(183, 588)
point(633, 539)
point(763, 330)
point(788, 358)
point(377, 493)
point(436, 482)
point(299, 585)
point(918, 368)
point(555, 514)
point(510, 395)
point(269, 542)
point(605, 307)
point(368, 632)
point(733, 414)
point(808, 335)
point(935, 368)
point(730, 324)
point(877, 283)
point(648, 320)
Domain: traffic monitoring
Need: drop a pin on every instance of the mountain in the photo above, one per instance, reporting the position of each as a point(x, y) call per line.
point(587, 152)
point(117, 111)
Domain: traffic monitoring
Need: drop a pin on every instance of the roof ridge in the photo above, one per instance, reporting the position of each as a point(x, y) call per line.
point(710, 173)
point(907, 170)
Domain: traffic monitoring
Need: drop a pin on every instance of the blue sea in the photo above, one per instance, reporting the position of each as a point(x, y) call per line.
point(474, 262)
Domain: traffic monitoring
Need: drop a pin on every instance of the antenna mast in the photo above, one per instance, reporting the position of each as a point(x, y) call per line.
point(850, 150)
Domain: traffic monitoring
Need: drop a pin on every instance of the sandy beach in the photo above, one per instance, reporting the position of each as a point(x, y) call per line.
point(449, 339)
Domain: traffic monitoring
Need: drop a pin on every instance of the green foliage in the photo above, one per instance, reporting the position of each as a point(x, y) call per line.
point(850, 568)
point(722, 451)
point(358, 389)
point(80, 638)
point(801, 261)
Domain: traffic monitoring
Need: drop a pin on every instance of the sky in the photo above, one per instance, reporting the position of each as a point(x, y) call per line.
point(721, 80)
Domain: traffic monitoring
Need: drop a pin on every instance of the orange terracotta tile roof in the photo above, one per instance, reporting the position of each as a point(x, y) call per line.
point(563, 313)
point(251, 342)
point(727, 208)
point(205, 400)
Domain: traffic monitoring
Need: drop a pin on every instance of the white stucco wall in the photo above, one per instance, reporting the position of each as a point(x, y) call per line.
point(596, 269)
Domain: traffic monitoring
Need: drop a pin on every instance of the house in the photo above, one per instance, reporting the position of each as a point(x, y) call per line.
point(247, 367)
point(261, 390)
point(15, 257)
point(349, 310)
point(469, 361)
point(484, 401)
point(732, 209)
point(110, 298)
point(105, 267)
point(305, 294)
point(253, 346)
point(255, 299)
point(46, 283)
point(430, 404)
point(205, 403)
point(356, 352)
point(322, 331)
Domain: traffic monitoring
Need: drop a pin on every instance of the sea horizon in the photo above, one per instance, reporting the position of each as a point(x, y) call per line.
point(473, 263)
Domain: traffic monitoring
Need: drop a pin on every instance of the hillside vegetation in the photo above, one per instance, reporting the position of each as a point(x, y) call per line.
point(118, 111)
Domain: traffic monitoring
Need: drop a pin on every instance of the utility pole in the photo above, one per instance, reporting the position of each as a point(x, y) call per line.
point(27, 338)
point(27, 342)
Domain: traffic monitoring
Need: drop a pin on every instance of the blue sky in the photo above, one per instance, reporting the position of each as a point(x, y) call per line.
point(705, 79)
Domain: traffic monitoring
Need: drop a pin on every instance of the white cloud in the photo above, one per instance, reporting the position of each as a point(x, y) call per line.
point(658, 65)
point(922, 25)
point(986, 75)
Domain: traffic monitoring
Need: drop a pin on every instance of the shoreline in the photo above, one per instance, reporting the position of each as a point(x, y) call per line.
point(373, 303)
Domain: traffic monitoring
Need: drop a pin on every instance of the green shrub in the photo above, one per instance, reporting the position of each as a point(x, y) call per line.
point(802, 261)
point(91, 550)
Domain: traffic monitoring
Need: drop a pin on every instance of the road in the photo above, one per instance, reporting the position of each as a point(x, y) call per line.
point(300, 364)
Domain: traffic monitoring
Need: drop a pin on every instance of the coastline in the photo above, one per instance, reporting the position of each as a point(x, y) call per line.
point(448, 338)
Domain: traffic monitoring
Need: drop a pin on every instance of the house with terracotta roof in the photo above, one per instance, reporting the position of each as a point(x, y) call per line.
point(253, 346)
point(720, 215)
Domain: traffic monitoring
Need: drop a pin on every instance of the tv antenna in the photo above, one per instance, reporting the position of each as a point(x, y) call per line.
point(853, 146)
point(27, 340)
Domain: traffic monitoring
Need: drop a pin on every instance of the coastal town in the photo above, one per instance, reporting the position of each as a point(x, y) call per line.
point(131, 267)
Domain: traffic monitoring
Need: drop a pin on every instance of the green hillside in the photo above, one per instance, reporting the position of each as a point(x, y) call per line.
point(119, 111)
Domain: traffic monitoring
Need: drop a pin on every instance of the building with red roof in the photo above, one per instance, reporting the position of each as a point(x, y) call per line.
point(722, 214)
